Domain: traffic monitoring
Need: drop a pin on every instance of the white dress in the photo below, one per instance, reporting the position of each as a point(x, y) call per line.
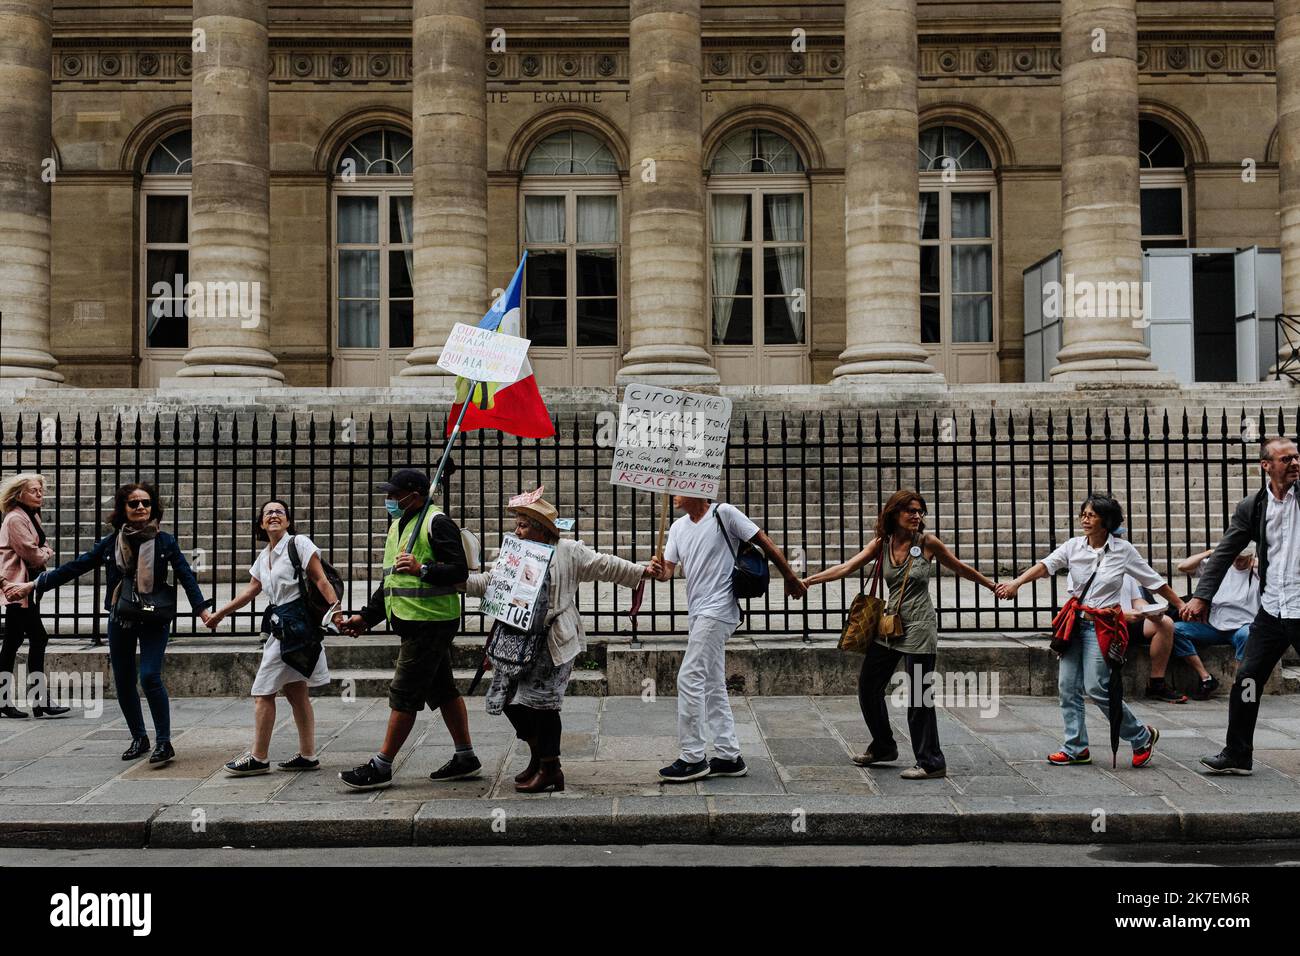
point(274, 569)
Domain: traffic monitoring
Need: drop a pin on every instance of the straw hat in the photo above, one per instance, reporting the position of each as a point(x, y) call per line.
point(541, 511)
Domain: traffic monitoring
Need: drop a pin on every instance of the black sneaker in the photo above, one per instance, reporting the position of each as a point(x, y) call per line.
point(461, 766)
point(247, 766)
point(727, 768)
point(139, 747)
point(1223, 763)
point(299, 762)
point(367, 777)
point(1164, 693)
point(162, 754)
point(1205, 690)
point(679, 771)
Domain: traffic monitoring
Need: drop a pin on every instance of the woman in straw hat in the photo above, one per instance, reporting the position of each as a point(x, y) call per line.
point(530, 693)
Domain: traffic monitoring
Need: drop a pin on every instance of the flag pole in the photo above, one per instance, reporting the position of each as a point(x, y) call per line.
point(442, 463)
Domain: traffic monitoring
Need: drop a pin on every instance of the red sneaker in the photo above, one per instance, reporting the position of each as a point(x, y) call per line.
point(1063, 759)
point(1143, 757)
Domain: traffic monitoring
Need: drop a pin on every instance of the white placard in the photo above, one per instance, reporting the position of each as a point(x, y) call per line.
point(516, 581)
point(482, 355)
point(671, 442)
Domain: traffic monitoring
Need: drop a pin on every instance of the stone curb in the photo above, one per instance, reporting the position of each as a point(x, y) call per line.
point(76, 826)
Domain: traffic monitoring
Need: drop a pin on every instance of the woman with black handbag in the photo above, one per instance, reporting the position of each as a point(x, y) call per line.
point(284, 570)
point(137, 558)
point(530, 670)
point(904, 553)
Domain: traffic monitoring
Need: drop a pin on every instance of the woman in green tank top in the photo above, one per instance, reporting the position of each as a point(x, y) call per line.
point(906, 552)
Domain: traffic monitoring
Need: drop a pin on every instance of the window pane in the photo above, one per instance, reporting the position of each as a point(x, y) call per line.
point(776, 154)
point(172, 157)
point(1162, 212)
point(783, 218)
point(783, 271)
point(400, 224)
point(929, 269)
point(165, 266)
point(545, 325)
point(543, 219)
point(401, 324)
point(399, 275)
point(597, 321)
point(972, 318)
point(781, 324)
point(597, 272)
point(929, 318)
point(730, 217)
point(733, 272)
point(970, 216)
point(359, 324)
point(598, 219)
point(544, 273)
point(358, 274)
point(733, 321)
point(167, 219)
point(358, 219)
point(928, 213)
point(972, 268)
point(166, 325)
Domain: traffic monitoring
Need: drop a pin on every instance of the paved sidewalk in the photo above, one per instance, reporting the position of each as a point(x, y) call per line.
point(62, 782)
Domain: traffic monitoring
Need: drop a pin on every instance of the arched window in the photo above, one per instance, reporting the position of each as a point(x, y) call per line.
point(1163, 174)
point(957, 212)
point(758, 262)
point(164, 256)
point(373, 257)
point(571, 227)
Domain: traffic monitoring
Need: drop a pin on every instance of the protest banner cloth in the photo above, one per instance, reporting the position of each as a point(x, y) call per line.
point(517, 578)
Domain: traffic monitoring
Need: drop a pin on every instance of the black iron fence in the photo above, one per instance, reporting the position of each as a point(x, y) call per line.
point(1003, 490)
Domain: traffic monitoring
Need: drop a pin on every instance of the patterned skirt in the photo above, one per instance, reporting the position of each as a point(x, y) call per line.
point(539, 684)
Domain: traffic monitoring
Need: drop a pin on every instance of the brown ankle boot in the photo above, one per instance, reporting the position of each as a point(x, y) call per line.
point(549, 776)
point(533, 762)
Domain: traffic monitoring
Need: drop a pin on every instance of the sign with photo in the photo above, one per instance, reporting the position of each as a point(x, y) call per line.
point(517, 578)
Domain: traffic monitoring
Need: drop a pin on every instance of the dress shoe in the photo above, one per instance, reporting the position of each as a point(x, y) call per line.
point(51, 711)
point(549, 776)
point(162, 754)
point(139, 747)
point(12, 712)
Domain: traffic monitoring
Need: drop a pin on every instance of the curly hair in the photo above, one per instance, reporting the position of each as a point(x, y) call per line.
point(887, 521)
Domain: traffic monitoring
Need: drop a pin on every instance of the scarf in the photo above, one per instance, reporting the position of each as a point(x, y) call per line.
point(136, 548)
point(34, 514)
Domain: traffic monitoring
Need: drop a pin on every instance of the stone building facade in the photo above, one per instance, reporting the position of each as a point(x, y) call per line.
point(764, 193)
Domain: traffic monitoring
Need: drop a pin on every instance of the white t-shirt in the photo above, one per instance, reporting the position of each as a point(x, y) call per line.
point(707, 558)
point(1237, 600)
point(279, 586)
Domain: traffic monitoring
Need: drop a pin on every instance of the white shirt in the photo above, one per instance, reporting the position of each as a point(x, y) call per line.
point(1117, 558)
point(1130, 591)
point(275, 573)
point(1282, 589)
point(1237, 600)
point(707, 559)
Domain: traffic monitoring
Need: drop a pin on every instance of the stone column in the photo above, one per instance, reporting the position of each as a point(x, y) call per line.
point(449, 177)
point(1287, 41)
point(230, 223)
point(25, 145)
point(1101, 223)
point(882, 248)
point(665, 199)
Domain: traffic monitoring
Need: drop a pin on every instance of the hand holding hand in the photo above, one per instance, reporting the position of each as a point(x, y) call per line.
point(212, 620)
point(353, 626)
point(1006, 592)
point(16, 592)
point(795, 588)
point(1195, 610)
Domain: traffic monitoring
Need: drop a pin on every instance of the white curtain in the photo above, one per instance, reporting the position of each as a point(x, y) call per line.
point(405, 223)
point(543, 219)
point(970, 215)
point(729, 221)
point(598, 219)
point(785, 213)
point(972, 315)
point(358, 280)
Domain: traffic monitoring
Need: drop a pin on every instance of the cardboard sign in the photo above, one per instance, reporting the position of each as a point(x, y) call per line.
point(527, 498)
point(671, 442)
point(482, 355)
point(517, 578)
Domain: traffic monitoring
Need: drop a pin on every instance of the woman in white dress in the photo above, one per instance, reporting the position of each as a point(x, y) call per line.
point(273, 574)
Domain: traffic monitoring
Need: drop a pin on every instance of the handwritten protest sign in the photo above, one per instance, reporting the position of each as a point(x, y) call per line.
point(671, 442)
point(482, 355)
point(516, 581)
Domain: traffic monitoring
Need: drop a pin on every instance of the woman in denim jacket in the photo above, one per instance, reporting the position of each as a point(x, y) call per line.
point(136, 547)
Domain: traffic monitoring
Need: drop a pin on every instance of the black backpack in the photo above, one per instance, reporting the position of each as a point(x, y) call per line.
point(315, 601)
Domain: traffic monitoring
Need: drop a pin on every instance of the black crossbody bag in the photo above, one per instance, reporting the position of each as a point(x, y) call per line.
point(749, 571)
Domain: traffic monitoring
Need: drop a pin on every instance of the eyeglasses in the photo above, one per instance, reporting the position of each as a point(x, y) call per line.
point(273, 513)
point(1285, 459)
point(137, 503)
point(914, 511)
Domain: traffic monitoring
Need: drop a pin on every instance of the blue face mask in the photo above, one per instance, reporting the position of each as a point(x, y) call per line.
point(393, 507)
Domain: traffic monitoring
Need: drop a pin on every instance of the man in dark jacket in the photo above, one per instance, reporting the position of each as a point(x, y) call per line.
point(1271, 519)
point(418, 596)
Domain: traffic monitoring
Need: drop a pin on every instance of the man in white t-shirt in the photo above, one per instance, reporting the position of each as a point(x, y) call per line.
point(1232, 610)
point(698, 543)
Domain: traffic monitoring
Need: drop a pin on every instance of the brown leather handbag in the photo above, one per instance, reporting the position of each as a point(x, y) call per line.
point(862, 623)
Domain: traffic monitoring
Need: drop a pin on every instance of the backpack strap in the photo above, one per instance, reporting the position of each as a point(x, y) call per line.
point(725, 537)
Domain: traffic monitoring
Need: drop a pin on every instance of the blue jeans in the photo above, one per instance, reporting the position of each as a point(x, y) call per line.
point(1083, 670)
point(152, 640)
point(1187, 634)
